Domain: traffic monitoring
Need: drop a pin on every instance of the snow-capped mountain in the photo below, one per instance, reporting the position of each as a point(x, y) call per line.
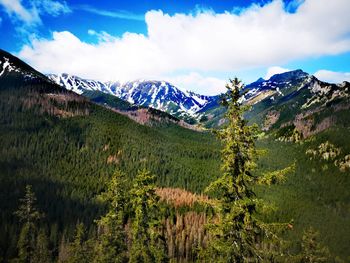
point(79, 85)
point(278, 85)
point(293, 85)
point(288, 85)
point(14, 68)
point(160, 95)
point(295, 90)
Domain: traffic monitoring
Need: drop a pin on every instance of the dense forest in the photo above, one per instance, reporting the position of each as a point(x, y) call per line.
point(69, 159)
point(81, 183)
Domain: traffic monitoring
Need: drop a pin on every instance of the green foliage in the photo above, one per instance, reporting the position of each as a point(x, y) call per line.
point(238, 233)
point(65, 159)
point(69, 160)
point(42, 251)
point(312, 251)
point(111, 245)
point(148, 243)
point(29, 216)
point(109, 100)
point(26, 244)
point(80, 250)
point(27, 212)
point(134, 218)
point(311, 196)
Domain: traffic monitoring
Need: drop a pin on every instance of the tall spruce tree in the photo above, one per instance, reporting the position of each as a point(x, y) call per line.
point(81, 249)
point(238, 233)
point(42, 252)
point(148, 243)
point(29, 216)
point(312, 251)
point(112, 240)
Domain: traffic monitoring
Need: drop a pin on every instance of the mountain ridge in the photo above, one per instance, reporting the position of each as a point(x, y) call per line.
point(67, 147)
point(188, 105)
point(156, 94)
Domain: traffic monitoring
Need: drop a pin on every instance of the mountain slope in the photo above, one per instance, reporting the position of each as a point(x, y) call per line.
point(281, 89)
point(140, 114)
point(283, 97)
point(68, 147)
point(14, 70)
point(159, 95)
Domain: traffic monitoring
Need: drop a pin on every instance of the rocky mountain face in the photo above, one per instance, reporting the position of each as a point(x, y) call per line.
point(56, 99)
point(14, 70)
point(290, 98)
point(290, 85)
point(297, 104)
point(141, 114)
point(294, 101)
point(304, 90)
point(159, 95)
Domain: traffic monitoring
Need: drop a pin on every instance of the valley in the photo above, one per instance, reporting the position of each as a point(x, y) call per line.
point(68, 141)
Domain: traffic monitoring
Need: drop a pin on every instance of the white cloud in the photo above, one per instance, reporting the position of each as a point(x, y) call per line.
point(274, 70)
point(101, 36)
point(15, 9)
point(115, 14)
point(201, 42)
point(132, 56)
point(199, 83)
point(332, 76)
point(29, 14)
point(53, 8)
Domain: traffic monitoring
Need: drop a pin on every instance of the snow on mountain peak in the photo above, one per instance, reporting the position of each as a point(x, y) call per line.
point(151, 93)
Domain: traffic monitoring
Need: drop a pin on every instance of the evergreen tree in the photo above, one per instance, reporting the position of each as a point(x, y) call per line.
point(312, 250)
point(63, 250)
point(42, 253)
point(112, 242)
point(80, 250)
point(237, 234)
point(148, 243)
point(29, 215)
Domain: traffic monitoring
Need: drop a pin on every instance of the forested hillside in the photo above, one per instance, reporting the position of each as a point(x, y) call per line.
point(68, 149)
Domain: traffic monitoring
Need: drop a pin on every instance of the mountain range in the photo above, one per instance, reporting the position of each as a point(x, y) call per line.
point(193, 107)
point(68, 145)
point(156, 94)
point(290, 95)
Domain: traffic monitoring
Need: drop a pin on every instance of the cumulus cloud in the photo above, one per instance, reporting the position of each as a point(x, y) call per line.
point(274, 70)
point(332, 76)
point(29, 12)
point(132, 56)
point(259, 36)
point(198, 83)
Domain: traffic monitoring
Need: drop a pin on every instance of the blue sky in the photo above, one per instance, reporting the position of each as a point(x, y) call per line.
point(196, 45)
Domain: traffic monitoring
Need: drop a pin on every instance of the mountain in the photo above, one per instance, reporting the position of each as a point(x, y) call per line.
point(140, 114)
point(297, 86)
point(287, 95)
point(159, 95)
point(298, 100)
point(68, 146)
point(13, 69)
